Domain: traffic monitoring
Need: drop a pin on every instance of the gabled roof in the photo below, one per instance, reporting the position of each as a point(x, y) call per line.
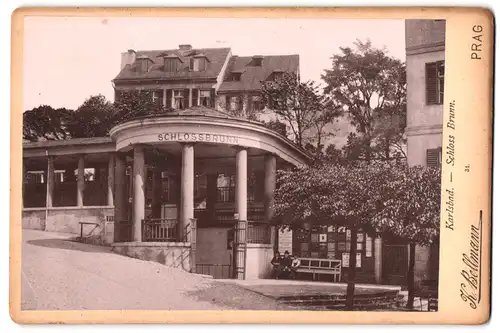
point(216, 58)
point(253, 75)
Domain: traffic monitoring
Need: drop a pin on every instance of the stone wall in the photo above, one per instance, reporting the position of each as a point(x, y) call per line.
point(258, 262)
point(177, 255)
point(34, 218)
point(66, 220)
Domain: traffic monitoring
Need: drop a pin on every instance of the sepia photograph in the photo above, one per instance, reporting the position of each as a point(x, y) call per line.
point(232, 164)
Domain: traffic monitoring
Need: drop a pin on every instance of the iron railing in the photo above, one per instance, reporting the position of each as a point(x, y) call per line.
point(160, 230)
point(227, 194)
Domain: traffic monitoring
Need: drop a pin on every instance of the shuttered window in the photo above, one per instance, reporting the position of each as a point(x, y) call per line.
point(171, 64)
point(434, 82)
point(434, 157)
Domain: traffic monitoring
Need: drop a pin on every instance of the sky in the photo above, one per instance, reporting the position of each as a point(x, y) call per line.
point(67, 60)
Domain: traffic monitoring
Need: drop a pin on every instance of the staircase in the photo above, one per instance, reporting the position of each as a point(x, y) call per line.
point(383, 300)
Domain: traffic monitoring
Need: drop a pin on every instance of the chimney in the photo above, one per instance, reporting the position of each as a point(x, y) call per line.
point(185, 47)
point(257, 60)
point(128, 58)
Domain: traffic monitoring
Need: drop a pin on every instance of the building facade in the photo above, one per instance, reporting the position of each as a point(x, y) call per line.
point(210, 77)
point(425, 61)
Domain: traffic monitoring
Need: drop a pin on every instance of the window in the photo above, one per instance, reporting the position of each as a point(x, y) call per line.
point(179, 99)
point(200, 186)
point(168, 187)
point(369, 246)
point(158, 97)
point(434, 157)
point(235, 77)
point(171, 64)
point(35, 177)
point(197, 64)
point(235, 103)
point(59, 176)
point(256, 104)
point(434, 82)
point(277, 76)
point(225, 188)
point(205, 98)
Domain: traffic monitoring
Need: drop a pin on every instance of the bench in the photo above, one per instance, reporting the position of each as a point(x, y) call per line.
point(321, 266)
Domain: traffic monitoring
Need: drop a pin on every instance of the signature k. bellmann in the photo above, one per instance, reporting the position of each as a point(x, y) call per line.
point(470, 288)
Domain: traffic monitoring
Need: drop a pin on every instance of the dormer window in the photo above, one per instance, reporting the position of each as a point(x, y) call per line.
point(277, 75)
point(198, 63)
point(171, 62)
point(257, 60)
point(171, 65)
point(235, 75)
point(144, 63)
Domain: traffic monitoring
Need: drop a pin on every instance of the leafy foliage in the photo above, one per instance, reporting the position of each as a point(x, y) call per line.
point(411, 204)
point(370, 88)
point(137, 103)
point(94, 118)
point(345, 195)
point(46, 123)
point(300, 105)
point(277, 126)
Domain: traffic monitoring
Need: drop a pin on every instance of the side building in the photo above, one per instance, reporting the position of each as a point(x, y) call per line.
point(425, 58)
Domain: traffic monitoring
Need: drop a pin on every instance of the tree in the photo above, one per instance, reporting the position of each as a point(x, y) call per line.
point(46, 123)
point(370, 88)
point(300, 105)
point(411, 203)
point(94, 118)
point(337, 194)
point(137, 103)
point(277, 126)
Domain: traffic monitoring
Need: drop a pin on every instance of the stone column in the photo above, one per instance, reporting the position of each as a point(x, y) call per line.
point(50, 181)
point(111, 180)
point(121, 198)
point(80, 185)
point(269, 187)
point(120, 189)
point(378, 259)
point(241, 210)
point(241, 183)
point(190, 102)
point(187, 187)
point(23, 179)
point(164, 99)
point(138, 199)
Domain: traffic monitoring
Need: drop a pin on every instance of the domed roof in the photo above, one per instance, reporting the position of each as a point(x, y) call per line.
point(202, 111)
